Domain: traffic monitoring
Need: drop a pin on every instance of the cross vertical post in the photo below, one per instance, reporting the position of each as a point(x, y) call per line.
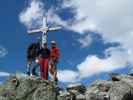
point(44, 30)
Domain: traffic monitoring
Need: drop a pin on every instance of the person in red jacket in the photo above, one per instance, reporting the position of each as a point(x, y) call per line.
point(54, 57)
point(44, 56)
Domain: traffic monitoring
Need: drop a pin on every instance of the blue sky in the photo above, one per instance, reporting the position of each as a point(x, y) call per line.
point(91, 41)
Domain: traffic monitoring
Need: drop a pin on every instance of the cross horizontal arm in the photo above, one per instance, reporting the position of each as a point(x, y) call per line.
point(34, 31)
point(54, 28)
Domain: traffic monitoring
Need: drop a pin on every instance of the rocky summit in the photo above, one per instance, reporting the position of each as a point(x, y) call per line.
point(118, 87)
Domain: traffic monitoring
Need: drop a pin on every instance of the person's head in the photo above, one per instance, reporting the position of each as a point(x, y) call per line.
point(53, 44)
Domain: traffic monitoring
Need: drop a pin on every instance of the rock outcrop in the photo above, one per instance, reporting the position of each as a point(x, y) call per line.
point(119, 87)
point(28, 89)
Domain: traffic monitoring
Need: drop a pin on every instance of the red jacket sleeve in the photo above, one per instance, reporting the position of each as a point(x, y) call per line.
point(55, 53)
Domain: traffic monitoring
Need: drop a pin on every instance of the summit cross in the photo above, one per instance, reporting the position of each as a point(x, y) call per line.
point(44, 29)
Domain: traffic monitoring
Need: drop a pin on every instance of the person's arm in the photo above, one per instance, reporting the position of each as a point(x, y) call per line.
point(39, 52)
point(58, 53)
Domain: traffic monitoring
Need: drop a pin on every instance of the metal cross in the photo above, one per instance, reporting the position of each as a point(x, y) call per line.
point(44, 30)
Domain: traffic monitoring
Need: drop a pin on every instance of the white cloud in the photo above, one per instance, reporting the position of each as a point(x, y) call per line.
point(68, 76)
point(85, 41)
point(3, 52)
point(4, 74)
point(32, 14)
point(54, 18)
point(94, 65)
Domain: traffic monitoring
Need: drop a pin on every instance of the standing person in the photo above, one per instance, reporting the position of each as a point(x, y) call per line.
point(54, 57)
point(44, 61)
point(31, 57)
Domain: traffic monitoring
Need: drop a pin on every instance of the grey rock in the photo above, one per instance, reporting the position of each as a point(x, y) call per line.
point(27, 89)
point(119, 87)
point(119, 90)
point(98, 90)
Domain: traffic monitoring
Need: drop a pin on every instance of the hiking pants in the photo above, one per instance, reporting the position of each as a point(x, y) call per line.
point(44, 68)
point(31, 68)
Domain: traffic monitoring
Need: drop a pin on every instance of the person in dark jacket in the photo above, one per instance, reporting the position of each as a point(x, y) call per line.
point(44, 56)
point(31, 56)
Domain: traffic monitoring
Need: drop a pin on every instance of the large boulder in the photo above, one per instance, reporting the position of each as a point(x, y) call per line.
point(120, 87)
point(98, 90)
point(28, 89)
